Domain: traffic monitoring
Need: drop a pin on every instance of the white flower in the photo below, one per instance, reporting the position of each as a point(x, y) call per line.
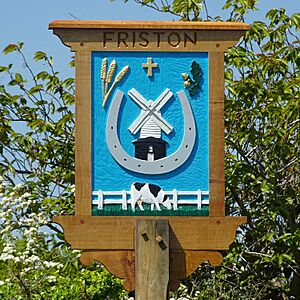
point(72, 188)
point(18, 186)
point(32, 230)
point(6, 229)
point(17, 259)
point(51, 264)
point(51, 278)
point(26, 195)
point(31, 242)
point(32, 259)
point(6, 257)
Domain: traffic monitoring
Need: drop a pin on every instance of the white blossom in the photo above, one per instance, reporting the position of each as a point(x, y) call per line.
point(17, 224)
point(26, 195)
point(18, 186)
point(72, 188)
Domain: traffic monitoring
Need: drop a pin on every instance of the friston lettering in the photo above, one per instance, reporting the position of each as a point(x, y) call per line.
point(174, 39)
point(106, 38)
point(188, 38)
point(133, 39)
point(158, 34)
point(122, 37)
point(143, 38)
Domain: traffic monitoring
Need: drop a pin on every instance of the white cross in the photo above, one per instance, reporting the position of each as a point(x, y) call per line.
point(149, 65)
point(150, 109)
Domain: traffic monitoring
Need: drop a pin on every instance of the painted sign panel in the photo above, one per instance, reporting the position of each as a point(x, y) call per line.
point(149, 140)
point(150, 133)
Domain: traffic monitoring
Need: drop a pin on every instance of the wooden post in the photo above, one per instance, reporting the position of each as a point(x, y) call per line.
point(151, 259)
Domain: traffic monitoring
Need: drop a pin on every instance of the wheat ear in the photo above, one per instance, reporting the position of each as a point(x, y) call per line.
point(103, 75)
point(110, 73)
point(119, 77)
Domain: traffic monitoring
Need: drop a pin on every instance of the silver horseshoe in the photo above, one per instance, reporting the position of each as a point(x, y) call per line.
point(160, 166)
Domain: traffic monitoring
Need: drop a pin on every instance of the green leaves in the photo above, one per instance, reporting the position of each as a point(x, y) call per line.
point(196, 72)
point(12, 47)
point(39, 55)
point(262, 107)
point(188, 10)
point(262, 170)
point(239, 8)
point(295, 19)
point(35, 89)
point(193, 85)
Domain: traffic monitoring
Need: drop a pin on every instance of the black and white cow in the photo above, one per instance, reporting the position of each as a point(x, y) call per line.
point(148, 193)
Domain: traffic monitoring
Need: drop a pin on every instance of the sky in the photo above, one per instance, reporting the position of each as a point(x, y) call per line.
point(27, 21)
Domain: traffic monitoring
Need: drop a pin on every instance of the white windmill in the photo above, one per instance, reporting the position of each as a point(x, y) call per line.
point(150, 146)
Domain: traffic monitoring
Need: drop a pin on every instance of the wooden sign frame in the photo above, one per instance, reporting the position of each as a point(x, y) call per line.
point(110, 239)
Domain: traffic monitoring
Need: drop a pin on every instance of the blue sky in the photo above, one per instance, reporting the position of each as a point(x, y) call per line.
point(27, 21)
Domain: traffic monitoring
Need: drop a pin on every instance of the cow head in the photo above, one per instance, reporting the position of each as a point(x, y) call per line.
point(167, 203)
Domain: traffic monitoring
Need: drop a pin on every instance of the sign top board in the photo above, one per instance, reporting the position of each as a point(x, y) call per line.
point(147, 36)
point(95, 24)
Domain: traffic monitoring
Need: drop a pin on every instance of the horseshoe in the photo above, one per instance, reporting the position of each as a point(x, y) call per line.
point(162, 165)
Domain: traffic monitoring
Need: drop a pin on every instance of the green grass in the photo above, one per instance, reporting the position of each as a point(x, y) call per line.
point(116, 210)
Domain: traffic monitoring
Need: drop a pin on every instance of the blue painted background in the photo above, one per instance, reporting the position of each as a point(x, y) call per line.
point(108, 175)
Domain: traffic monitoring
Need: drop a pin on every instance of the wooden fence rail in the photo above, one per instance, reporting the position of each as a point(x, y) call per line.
point(175, 201)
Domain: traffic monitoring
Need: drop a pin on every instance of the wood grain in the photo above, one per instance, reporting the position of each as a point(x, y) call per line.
point(179, 36)
point(148, 25)
point(184, 263)
point(119, 263)
point(117, 233)
point(111, 240)
point(151, 259)
point(122, 264)
point(216, 135)
point(83, 186)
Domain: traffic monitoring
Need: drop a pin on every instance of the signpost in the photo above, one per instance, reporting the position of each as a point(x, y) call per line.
point(149, 153)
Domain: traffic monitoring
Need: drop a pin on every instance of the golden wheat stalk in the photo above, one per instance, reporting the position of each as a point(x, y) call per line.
point(110, 73)
point(119, 77)
point(121, 74)
point(103, 75)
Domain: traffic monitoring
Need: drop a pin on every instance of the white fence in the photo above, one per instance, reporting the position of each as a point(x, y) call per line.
point(175, 201)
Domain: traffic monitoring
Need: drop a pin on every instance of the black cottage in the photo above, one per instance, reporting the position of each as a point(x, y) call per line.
point(150, 148)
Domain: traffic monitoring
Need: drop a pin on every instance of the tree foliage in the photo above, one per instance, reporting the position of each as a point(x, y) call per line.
point(262, 158)
point(37, 182)
point(262, 136)
point(262, 170)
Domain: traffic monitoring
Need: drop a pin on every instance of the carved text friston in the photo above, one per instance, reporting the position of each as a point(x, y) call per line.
point(143, 39)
